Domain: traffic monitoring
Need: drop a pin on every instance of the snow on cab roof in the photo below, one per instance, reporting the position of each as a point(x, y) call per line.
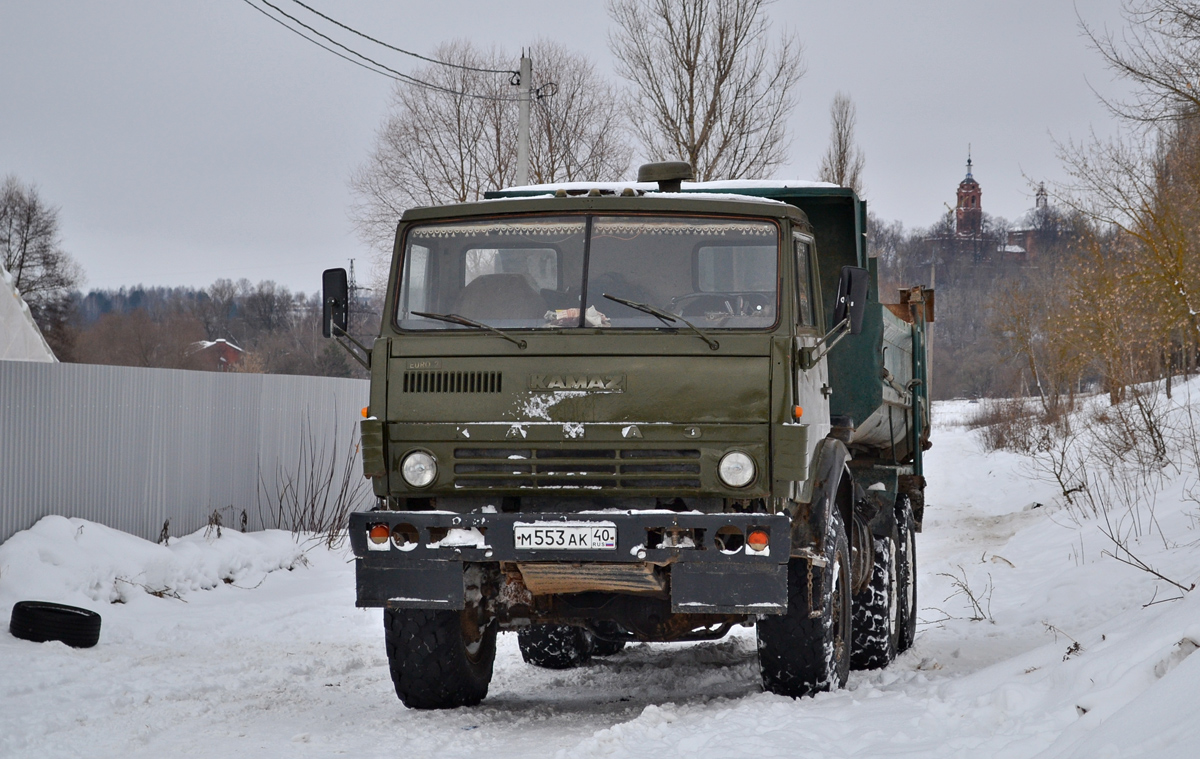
point(693, 187)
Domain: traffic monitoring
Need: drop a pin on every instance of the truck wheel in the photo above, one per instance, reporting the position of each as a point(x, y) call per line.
point(607, 647)
point(875, 611)
point(601, 647)
point(798, 654)
point(555, 646)
point(906, 576)
point(438, 659)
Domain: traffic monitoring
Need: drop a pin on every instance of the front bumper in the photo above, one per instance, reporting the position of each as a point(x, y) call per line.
point(428, 571)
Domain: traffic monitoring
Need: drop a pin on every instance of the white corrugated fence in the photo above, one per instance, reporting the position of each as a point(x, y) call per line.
point(132, 448)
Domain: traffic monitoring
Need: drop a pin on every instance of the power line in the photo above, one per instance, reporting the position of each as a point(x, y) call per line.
point(335, 22)
point(386, 71)
point(395, 74)
point(318, 44)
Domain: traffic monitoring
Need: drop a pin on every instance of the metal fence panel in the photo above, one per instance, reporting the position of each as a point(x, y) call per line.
point(131, 447)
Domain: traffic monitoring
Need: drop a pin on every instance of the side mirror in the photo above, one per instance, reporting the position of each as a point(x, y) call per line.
point(852, 297)
point(335, 301)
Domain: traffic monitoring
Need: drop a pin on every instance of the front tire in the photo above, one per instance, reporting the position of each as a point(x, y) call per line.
point(438, 659)
point(799, 654)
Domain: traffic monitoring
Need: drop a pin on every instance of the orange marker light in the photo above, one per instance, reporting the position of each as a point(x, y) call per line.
point(365, 411)
point(798, 412)
point(379, 534)
point(758, 540)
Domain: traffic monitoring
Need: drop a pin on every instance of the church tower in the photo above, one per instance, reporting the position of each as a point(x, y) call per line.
point(968, 215)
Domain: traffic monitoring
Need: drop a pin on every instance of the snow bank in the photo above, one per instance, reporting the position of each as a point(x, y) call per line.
point(84, 563)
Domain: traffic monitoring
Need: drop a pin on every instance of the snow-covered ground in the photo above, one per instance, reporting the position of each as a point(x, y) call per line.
point(252, 647)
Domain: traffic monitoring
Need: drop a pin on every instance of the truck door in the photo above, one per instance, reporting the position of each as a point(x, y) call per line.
point(812, 386)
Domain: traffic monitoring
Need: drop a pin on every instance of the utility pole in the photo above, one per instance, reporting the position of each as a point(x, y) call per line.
point(352, 293)
point(526, 80)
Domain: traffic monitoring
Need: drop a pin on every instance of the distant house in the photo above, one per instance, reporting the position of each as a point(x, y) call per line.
point(218, 355)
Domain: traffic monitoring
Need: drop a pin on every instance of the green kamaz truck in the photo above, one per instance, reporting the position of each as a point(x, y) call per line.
point(651, 411)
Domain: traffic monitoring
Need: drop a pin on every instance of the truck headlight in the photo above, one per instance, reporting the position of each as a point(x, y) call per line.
point(419, 469)
point(736, 469)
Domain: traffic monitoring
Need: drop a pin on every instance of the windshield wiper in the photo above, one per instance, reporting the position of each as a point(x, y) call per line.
point(464, 321)
point(664, 317)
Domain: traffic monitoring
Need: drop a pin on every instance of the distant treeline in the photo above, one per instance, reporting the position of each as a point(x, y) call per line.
point(277, 331)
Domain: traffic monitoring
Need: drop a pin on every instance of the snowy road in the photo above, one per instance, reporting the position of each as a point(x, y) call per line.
point(279, 663)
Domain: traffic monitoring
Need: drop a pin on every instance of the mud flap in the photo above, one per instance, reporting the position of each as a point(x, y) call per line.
point(427, 585)
point(720, 588)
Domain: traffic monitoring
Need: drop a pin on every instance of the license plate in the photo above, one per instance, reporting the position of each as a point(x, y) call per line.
point(565, 536)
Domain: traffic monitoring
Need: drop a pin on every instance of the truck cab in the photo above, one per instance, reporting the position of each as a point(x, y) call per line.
point(612, 413)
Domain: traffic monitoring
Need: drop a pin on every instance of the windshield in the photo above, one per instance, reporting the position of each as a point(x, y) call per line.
point(530, 272)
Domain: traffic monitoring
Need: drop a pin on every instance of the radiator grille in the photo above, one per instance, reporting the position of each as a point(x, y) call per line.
point(452, 382)
point(508, 468)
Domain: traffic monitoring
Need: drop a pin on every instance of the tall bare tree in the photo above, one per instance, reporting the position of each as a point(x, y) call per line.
point(577, 133)
point(32, 253)
point(1159, 53)
point(1133, 293)
point(437, 146)
point(843, 162)
point(705, 85)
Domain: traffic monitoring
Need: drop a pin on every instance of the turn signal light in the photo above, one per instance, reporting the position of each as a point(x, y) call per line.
point(365, 411)
point(797, 412)
point(379, 534)
point(758, 540)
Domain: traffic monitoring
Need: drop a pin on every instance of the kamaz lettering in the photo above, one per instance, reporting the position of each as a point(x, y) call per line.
point(595, 383)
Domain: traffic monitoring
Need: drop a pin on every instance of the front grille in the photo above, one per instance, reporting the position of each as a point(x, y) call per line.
point(452, 382)
point(557, 468)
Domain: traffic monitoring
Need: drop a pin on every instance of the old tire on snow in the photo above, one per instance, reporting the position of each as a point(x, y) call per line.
point(438, 659)
point(799, 654)
point(555, 646)
point(40, 621)
point(906, 576)
point(876, 610)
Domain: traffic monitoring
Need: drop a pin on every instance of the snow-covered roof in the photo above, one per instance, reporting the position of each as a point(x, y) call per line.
point(20, 338)
point(1011, 248)
point(200, 345)
point(690, 187)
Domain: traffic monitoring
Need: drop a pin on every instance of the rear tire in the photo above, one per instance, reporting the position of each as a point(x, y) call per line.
point(438, 659)
point(602, 647)
point(906, 576)
point(555, 646)
point(876, 610)
point(799, 655)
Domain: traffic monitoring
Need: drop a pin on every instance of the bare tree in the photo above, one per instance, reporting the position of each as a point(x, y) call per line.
point(454, 144)
point(1146, 186)
point(843, 162)
point(577, 133)
point(32, 253)
point(1159, 53)
point(705, 86)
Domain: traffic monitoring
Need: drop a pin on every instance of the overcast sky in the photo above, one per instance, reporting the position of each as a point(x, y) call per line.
point(187, 141)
